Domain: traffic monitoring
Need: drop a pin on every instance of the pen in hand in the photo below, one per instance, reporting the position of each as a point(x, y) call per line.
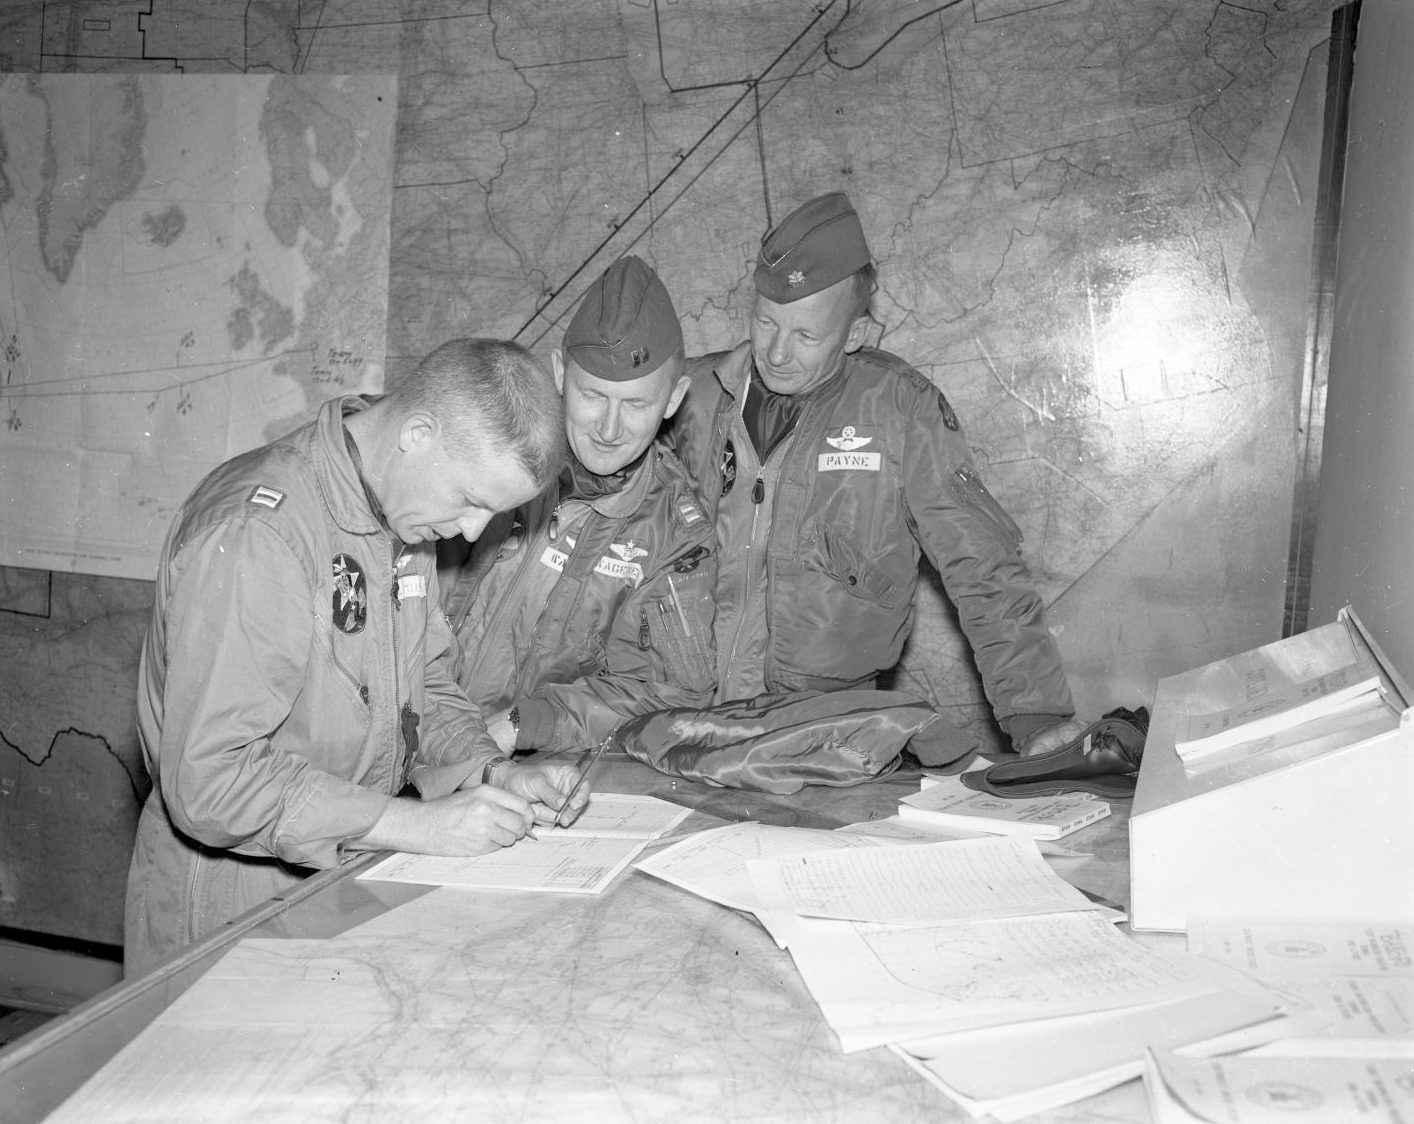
point(583, 777)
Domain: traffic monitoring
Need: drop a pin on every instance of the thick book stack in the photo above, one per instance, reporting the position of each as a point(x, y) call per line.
point(1272, 708)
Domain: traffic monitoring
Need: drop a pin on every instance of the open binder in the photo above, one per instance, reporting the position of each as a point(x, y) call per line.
point(1310, 822)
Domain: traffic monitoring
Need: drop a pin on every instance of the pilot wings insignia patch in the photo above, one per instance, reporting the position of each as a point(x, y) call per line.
point(848, 440)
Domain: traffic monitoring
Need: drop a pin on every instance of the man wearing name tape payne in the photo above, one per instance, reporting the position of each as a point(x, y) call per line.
point(829, 468)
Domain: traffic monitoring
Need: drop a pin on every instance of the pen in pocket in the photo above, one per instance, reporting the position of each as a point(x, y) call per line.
point(677, 604)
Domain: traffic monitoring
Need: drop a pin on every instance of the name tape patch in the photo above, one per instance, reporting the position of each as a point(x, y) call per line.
point(849, 462)
point(631, 572)
point(609, 567)
point(555, 559)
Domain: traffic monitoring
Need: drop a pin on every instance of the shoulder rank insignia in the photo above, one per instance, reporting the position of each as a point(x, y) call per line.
point(266, 497)
point(689, 512)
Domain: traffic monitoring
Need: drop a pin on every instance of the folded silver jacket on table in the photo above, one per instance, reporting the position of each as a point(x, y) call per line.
point(780, 743)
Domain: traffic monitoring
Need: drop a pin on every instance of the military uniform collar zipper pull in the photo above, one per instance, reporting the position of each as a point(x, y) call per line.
point(553, 530)
point(758, 490)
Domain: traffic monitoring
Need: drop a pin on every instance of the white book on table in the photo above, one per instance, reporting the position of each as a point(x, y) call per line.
point(1273, 706)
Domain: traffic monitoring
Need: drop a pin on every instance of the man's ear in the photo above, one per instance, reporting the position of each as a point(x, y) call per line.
point(417, 429)
point(557, 368)
point(676, 397)
point(858, 333)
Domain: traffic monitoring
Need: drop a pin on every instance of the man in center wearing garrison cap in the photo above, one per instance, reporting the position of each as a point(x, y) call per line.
point(593, 603)
point(829, 468)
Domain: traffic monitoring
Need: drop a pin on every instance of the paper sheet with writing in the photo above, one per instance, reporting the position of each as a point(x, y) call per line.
point(624, 815)
point(712, 864)
point(902, 831)
point(962, 880)
point(1080, 1055)
point(1293, 949)
point(574, 865)
point(1357, 980)
point(580, 859)
point(1264, 1090)
point(893, 829)
point(907, 983)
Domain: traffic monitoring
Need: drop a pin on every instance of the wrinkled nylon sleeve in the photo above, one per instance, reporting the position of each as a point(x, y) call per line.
point(636, 681)
point(987, 579)
point(238, 641)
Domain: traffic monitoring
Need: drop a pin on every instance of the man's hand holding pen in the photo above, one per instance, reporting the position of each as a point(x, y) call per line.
point(554, 791)
point(579, 794)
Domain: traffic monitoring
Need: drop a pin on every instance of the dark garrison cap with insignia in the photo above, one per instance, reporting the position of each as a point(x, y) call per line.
point(816, 245)
point(625, 327)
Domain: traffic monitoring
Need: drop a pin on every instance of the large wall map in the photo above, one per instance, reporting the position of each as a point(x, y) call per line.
point(190, 265)
point(1093, 220)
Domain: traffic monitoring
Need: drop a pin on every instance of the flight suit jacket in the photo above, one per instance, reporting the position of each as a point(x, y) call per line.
point(296, 673)
point(819, 547)
point(583, 612)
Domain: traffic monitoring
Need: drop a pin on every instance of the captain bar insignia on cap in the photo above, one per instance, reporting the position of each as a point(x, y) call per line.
point(625, 327)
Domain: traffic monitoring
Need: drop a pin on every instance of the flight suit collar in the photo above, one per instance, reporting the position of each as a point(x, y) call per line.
point(626, 500)
point(736, 368)
point(733, 372)
point(339, 477)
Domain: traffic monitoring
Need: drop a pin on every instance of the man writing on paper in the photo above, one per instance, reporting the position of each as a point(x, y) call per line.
point(593, 602)
point(829, 469)
point(295, 678)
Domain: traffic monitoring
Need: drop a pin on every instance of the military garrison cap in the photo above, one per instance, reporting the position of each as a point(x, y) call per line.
point(625, 327)
point(816, 245)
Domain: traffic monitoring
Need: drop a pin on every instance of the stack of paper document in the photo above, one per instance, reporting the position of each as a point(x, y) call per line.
point(1273, 707)
point(966, 956)
point(1017, 1070)
point(950, 803)
point(1355, 981)
point(1277, 1090)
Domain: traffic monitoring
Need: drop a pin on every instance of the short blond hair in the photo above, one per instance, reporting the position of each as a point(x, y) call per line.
point(489, 392)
